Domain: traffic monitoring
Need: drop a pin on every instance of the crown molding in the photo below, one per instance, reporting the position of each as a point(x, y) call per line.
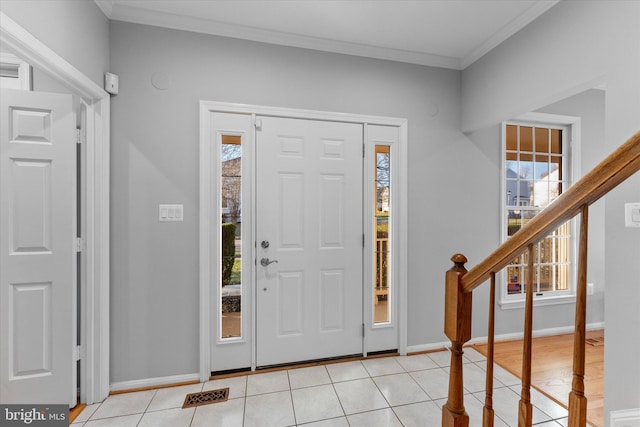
point(507, 31)
point(122, 12)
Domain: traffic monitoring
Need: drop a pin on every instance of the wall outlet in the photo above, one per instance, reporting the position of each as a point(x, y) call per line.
point(632, 215)
point(590, 289)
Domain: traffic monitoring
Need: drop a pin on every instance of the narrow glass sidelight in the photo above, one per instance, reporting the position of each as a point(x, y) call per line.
point(231, 232)
point(382, 245)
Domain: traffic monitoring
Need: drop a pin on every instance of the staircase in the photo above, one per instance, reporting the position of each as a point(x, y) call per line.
point(460, 284)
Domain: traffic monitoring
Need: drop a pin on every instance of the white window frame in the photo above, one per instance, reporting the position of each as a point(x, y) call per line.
point(386, 335)
point(571, 151)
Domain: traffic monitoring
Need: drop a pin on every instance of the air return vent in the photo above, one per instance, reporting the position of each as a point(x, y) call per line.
point(206, 397)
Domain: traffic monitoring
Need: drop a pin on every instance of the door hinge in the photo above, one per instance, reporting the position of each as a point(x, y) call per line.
point(79, 244)
point(363, 240)
point(363, 330)
point(78, 353)
point(256, 122)
point(363, 151)
point(78, 136)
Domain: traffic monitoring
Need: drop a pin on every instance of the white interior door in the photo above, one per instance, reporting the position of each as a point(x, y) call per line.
point(37, 254)
point(310, 239)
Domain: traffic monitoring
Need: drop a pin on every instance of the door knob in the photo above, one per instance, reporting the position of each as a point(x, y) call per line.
point(265, 262)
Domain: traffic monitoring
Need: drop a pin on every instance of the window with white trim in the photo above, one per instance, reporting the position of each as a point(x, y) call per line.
point(536, 172)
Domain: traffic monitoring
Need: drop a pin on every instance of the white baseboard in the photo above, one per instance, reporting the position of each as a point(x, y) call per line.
point(537, 333)
point(428, 347)
point(504, 337)
point(153, 382)
point(625, 418)
point(443, 345)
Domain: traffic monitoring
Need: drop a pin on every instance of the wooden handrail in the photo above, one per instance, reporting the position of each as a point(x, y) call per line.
point(618, 166)
point(460, 283)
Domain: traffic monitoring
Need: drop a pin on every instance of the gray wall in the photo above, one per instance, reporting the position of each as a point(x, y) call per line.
point(573, 46)
point(155, 136)
point(78, 31)
point(155, 160)
point(589, 106)
point(453, 180)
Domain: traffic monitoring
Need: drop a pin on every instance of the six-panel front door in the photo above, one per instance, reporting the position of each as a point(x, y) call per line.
point(37, 254)
point(309, 240)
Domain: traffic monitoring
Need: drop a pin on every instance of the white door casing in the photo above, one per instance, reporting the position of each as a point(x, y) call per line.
point(391, 335)
point(37, 253)
point(309, 209)
point(94, 378)
point(385, 335)
point(230, 353)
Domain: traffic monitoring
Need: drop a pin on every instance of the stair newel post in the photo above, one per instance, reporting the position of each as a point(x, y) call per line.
point(577, 399)
point(457, 327)
point(488, 412)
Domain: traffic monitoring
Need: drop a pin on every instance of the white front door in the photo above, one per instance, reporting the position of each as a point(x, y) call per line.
point(37, 254)
point(309, 240)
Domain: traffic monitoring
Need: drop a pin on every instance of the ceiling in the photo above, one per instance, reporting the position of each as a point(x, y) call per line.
point(440, 33)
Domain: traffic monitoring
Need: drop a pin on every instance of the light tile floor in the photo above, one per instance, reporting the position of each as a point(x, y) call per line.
point(393, 391)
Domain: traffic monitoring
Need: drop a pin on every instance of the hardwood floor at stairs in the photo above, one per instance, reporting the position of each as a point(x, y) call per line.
point(552, 368)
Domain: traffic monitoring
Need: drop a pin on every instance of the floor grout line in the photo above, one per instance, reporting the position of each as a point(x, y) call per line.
point(382, 370)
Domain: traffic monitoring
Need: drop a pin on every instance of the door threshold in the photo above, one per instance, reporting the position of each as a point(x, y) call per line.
point(382, 353)
point(329, 360)
point(304, 364)
point(229, 373)
point(313, 362)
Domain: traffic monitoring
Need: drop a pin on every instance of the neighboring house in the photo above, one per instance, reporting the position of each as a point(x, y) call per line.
point(517, 196)
point(542, 197)
point(562, 62)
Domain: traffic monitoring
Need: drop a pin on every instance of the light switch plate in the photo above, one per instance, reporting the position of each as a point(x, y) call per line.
point(170, 212)
point(632, 215)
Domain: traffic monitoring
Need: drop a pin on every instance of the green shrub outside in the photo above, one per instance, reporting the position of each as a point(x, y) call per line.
point(228, 251)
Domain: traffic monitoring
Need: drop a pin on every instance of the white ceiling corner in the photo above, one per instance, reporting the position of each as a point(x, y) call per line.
point(106, 6)
point(440, 33)
point(507, 31)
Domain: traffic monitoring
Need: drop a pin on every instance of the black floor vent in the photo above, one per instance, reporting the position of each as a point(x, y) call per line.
point(206, 397)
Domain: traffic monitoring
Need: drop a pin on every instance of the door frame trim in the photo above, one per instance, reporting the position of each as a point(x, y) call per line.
point(205, 196)
point(94, 308)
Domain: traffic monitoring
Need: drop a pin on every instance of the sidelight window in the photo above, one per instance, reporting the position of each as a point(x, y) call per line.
point(231, 232)
point(382, 248)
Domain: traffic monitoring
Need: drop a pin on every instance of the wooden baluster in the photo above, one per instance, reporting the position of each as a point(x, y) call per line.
point(488, 413)
point(525, 410)
point(577, 399)
point(457, 327)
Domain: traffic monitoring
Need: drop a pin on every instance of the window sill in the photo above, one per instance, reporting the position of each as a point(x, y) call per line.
point(511, 304)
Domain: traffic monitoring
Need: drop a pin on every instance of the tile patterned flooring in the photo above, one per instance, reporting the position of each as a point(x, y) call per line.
point(390, 391)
